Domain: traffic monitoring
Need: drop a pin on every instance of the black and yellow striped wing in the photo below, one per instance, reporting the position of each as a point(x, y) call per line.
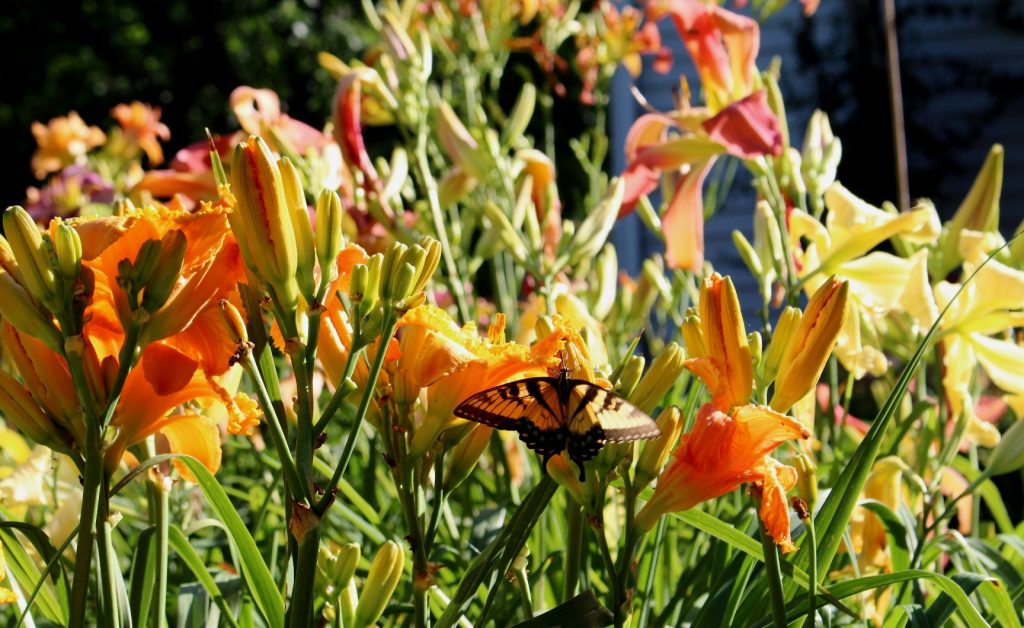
point(595, 416)
point(530, 407)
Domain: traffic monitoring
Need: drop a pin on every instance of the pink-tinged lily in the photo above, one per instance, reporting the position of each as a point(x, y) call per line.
point(259, 113)
point(141, 125)
point(685, 144)
point(723, 46)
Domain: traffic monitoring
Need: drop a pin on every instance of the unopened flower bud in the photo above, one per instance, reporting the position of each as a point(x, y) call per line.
point(654, 452)
point(359, 282)
point(755, 343)
point(385, 572)
point(162, 282)
point(786, 326)
point(403, 282)
point(329, 238)
point(693, 336)
point(607, 282)
point(464, 455)
point(564, 472)
point(298, 211)
point(18, 407)
point(26, 242)
point(460, 145)
point(511, 238)
point(521, 114)
point(811, 344)
point(234, 322)
point(19, 309)
point(68, 246)
point(425, 269)
point(261, 220)
point(594, 230)
point(747, 253)
point(630, 376)
point(389, 269)
point(345, 563)
point(807, 480)
point(664, 372)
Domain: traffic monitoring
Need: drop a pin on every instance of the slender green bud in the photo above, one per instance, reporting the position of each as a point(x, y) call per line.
point(425, 270)
point(756, 345)
point(161, 284)
point(19, 309)
point(649, 216)
point(807, 480)
point(389, 270)
point(792, 167)
point(630, 375)
point(18, 407)
point(329, 238)
point(345, 563)
point(693, 336)
point(607, 283)
point(371, 295)
point(460, 145)
point(521, 114)
point(664, 372)
point(347, 601)
point(655, 451)
point(512, 240)
point(594, 230)
point(138, 273)
point(464, 455)
point(359, 282)
point(789, 321)
point(385, 572)
point(295, 197)
point(68, 246)
point(403, 282)
point(26, 242)
point(747, 253)
point(776, 104)
point(234, 322)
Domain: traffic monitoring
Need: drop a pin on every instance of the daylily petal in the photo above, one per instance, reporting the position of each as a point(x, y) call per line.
point(683, 222)
point(1003, 360)
point(877, 280)
point(747, 128)
point(196, 436)
point(778, 480)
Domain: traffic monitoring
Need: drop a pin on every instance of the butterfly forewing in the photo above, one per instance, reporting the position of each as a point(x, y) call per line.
point(503, 407)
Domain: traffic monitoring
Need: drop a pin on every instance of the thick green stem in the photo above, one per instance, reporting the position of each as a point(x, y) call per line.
point(162, 490)
point(774, 575)
point(573, 551)
point(301, 608)
point(371, 383)
point(87, 530)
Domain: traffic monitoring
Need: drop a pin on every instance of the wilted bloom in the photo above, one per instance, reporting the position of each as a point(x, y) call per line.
point(62, 141)
point(142, 127)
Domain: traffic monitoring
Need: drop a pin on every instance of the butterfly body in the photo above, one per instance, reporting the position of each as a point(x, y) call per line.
point(554, 414)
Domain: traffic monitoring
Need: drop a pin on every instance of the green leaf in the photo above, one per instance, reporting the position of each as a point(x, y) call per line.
point(177, 539)
point(24, 569)
point(143, 578)
point(854, 586)
point(989, 589)
point(582, 611)
point(895, 532)
point(254, 569)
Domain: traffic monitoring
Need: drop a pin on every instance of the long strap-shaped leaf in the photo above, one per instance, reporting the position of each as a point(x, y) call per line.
point(181, 545)
point(254, 569)
point(945, 584)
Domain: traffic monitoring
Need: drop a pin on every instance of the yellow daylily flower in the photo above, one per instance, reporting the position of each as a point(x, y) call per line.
point(991, 303)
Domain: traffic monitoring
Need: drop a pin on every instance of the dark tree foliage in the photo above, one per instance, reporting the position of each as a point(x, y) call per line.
point(183, 56)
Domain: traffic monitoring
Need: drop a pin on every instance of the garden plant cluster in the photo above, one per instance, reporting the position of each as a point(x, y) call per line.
point(229, 382)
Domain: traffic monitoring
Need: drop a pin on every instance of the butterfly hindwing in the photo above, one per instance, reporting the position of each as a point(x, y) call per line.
point(591, 406)
point(554, 414)
point(527, 406)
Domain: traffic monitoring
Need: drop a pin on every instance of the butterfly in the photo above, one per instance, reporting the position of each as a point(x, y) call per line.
point(552, 414)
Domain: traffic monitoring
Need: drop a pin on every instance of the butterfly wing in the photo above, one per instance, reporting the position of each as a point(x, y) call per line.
point(596, 416)
point(527, 406)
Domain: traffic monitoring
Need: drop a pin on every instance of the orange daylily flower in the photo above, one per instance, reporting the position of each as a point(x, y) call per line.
point(455, 363)
point(731, 438)
point(62, 141)
point(210, 270)
point(141, 124)
point(720, 453)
